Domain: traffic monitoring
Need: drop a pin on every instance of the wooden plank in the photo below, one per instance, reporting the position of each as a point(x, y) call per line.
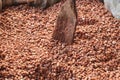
point(66, 23)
